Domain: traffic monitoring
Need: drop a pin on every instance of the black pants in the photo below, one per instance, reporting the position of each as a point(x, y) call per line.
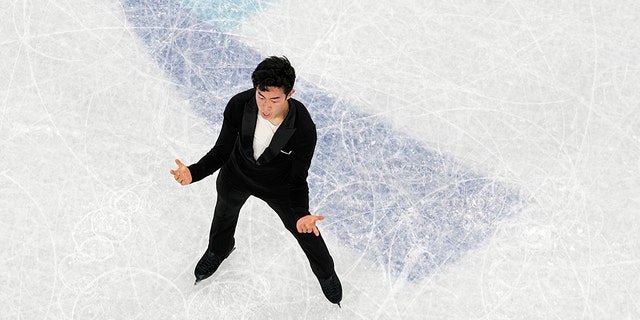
point(231, 197)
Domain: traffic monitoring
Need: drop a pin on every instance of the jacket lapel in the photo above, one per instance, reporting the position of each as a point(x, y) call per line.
point(281, 137)
point(249, 118)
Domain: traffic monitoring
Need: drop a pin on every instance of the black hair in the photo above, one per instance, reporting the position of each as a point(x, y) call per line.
point(274, 72)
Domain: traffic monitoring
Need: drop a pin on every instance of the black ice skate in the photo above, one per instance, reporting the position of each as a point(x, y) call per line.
point(208, 264)
point(332, 289)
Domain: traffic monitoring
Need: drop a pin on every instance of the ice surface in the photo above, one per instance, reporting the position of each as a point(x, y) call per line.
point(489, 103)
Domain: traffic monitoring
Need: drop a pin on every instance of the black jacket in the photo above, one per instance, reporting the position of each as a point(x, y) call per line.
point(281, 171)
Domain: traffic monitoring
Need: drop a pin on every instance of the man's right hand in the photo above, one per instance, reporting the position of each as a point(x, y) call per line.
point(182, 174)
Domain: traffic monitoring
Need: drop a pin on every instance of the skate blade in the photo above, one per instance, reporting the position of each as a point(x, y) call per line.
point(198, 280)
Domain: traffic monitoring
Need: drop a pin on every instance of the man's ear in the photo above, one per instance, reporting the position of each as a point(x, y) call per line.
point(290, 94)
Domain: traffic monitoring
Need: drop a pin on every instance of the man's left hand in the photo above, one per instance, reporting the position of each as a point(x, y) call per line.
point(307, 224)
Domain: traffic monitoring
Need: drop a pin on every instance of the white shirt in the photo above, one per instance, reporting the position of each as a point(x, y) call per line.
point(262, 136)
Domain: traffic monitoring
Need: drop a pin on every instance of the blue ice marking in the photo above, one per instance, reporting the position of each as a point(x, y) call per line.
point(222, 14)
point(407, 207)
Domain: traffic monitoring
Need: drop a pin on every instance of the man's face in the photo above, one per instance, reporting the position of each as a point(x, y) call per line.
point(273, 104)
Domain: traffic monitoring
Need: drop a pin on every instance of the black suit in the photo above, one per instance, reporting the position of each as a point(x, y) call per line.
point(278, 176)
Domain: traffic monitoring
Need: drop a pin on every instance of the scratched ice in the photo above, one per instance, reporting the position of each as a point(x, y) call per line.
point(508, 191)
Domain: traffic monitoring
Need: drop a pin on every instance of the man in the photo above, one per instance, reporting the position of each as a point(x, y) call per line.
point(264, 150)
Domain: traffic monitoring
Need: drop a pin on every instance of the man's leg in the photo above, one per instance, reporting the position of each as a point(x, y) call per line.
point(223, 227)
point(225, 217)
point(313, 246)
point(316, 251)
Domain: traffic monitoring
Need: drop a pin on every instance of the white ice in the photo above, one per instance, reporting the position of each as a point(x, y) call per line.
point(543, 96)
